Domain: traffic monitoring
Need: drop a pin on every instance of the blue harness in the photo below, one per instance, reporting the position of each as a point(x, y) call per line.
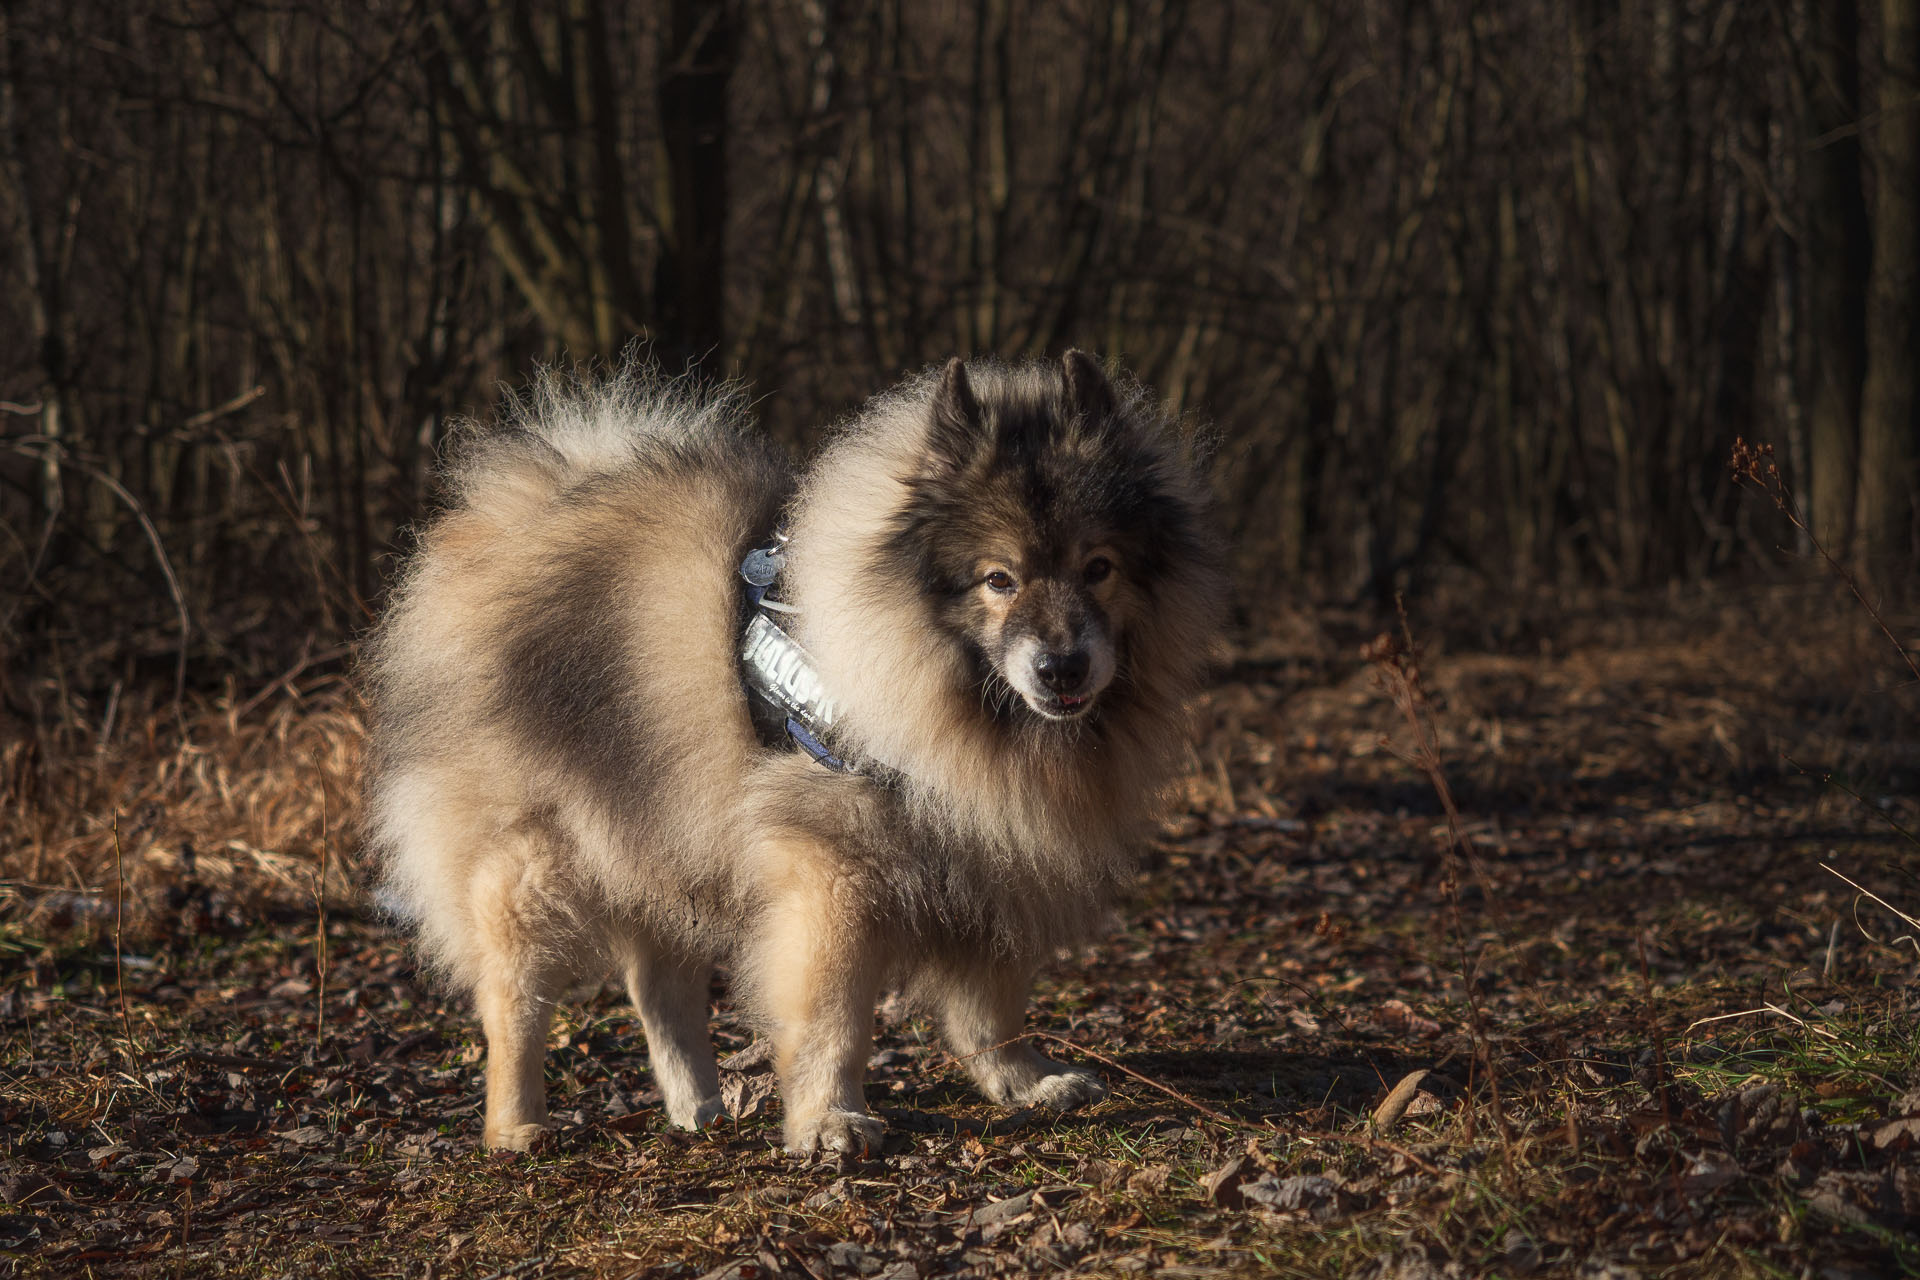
point(779, 672)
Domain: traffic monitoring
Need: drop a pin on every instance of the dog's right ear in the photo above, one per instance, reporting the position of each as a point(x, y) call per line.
point(1089, 394)
point(958, 434)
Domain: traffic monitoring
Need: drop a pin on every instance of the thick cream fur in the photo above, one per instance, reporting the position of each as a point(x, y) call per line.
point(1050, 826)
point(655, 837)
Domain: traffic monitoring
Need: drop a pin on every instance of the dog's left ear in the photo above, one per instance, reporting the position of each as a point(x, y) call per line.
point(958, 431)
point(1089, 393)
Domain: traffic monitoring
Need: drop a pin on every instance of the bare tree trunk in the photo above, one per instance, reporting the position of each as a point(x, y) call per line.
point(620, 303)
point(849, 302)
point(988, 186)
point(697, 62)
point(1789, 406)
point(761, 342)
point(1836, 233)
point(1512, 438)
point(906, 309)
point(1890, 402)
point(40, 271)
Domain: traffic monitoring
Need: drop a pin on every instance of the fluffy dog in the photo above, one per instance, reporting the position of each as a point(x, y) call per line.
point(1001, 585)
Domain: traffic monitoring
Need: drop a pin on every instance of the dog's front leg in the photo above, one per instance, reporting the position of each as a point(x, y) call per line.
point(981, 1010)
point(817, 969)
point(670, 993)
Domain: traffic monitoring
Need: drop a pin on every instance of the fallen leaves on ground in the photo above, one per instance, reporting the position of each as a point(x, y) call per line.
point(1620, 1035)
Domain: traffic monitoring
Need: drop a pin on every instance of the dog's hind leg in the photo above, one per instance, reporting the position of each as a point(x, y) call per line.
point(670, 994)
point(515, 1014)
point(521, 946)
point(981, 1008)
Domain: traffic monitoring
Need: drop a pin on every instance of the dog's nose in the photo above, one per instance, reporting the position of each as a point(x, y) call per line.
point(1061, 672)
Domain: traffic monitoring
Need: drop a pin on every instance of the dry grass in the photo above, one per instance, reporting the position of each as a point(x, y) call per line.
point(223, 807)
point(222, 810)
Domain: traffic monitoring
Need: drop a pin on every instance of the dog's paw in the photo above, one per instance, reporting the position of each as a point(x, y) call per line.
point(851, 1133)
point(700, 1115)
point(515, 1137)
point(1065, 1090)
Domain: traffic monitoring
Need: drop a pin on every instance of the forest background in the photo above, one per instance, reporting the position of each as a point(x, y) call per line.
point(1473, 295)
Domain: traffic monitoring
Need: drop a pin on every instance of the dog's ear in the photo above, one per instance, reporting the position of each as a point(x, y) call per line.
point(958, 433)
point(1089, 394)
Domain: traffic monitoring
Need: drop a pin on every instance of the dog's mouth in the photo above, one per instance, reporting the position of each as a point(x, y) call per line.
point(1065, 686)
point(1062, 706)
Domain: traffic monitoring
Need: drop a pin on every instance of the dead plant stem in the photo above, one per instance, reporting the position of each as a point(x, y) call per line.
point(32, 447)
point(1396, 662)
point(1827, 779)
point(1661, 1074)
point(1754, 464)
point(320, 934)
point(119, 915)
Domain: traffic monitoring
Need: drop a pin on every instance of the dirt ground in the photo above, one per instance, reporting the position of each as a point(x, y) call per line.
point(1631, 1026)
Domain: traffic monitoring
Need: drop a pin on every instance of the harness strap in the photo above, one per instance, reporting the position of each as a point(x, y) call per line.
point(816, 748)
point(779, 672)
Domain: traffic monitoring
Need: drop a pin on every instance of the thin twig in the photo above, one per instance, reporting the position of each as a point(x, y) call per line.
point(525, 1264)
point(224, 408)
point(226, 1061)
point(186, 1230)
point(1396, 664)
point(1774, 1009)
point(119, 973)
point(1827, 779)
point(1218, 1117)
point(321, 560)
point(60, 453)
point(1754, 464)
point(320, 936)
point(307, 659)
point(1661, 1075)
point(1653, 1033)
point(1882, 902)
point(1201, 1108)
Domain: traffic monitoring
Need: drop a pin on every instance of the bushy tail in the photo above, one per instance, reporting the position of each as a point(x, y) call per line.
point(570, 427)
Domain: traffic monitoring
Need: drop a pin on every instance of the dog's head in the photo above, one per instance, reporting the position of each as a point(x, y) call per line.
point(1040, 529)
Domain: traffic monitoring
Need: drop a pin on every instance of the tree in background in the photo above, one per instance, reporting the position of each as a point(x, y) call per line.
point(1833, 210)
point(1890, 405)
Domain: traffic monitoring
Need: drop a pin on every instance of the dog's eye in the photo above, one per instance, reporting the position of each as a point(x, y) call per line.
point(1097, 570)
point(1000, 580)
